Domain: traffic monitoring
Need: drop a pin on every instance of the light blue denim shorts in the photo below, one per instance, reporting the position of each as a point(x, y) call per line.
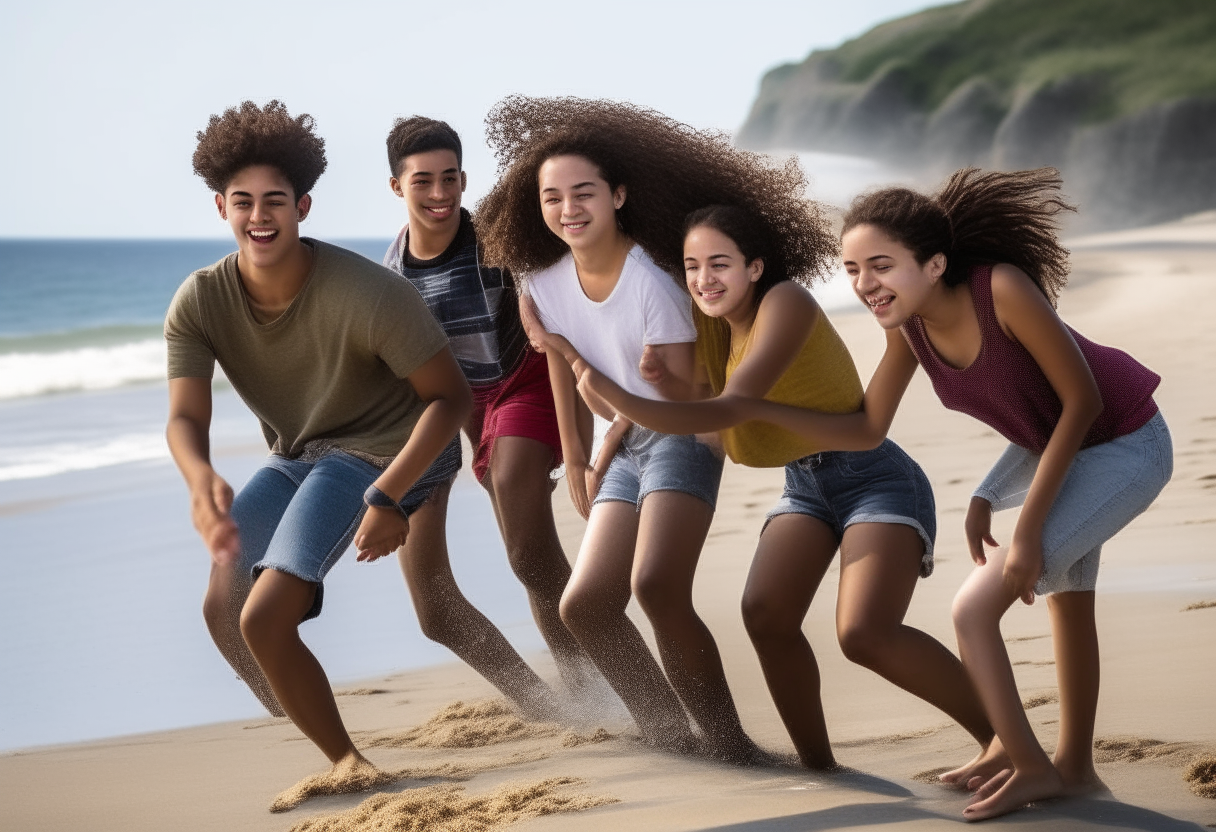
point(299, 517)
point(648, 461)
point(1107, 486)
point(841, 488)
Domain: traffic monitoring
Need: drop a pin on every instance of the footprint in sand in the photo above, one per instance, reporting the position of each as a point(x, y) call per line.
point(1127, 749)
point(446, 808)
point(1038, 700)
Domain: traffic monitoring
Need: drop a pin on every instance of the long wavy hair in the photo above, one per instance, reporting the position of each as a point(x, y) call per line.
point(977, 217)
point(668, 169)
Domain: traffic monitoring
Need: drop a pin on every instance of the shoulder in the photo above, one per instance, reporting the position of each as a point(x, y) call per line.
point(351, 266)
point(1012, 287)
point(549, 279)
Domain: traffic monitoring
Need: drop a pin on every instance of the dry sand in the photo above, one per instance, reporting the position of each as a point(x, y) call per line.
point(458, 761)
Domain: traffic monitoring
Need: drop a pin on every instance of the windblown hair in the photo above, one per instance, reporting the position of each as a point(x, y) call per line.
point(419, 134)
point(668, 169)
point(977, 217)
point(249, 135)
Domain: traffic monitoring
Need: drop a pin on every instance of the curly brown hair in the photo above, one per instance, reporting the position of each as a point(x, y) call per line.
point(251, 135)
point(977, 217)
point(668, 169)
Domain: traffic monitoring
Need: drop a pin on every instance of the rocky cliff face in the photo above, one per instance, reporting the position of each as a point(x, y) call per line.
point(1127, 159)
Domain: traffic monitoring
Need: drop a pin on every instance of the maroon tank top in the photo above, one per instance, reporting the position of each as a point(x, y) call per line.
point(1005, 388)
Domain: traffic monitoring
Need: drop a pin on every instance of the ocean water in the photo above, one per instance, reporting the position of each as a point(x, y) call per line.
point(101, 632)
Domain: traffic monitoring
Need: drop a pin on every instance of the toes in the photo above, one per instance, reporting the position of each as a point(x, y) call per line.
point(985, 790)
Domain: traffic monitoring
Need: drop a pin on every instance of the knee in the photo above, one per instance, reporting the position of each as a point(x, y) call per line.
point(967, 612)
point(222, 605)
point(862, 644)
point(586, 611)
point(260, 627)
point(659, 596)
point(436, 620)
point(768, 623)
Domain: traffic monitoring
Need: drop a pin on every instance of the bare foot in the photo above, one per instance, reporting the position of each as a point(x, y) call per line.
point(1018, 790)
point(988, 763)
point(353, 773)
point(740, 752)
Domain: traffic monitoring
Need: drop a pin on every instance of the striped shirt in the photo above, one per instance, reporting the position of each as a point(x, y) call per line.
point(476, 305)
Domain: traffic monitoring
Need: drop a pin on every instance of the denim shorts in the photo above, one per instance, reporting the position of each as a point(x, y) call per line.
point(841, 488)
point(1105, 488)
point(299, 517)
point(648, 461)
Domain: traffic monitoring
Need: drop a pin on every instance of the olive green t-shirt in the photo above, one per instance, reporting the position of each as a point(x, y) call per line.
point(330, 372)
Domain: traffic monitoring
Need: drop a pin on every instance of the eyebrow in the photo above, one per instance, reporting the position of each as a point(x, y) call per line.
point(428, 173)
point(587, 184)
point(268, 193)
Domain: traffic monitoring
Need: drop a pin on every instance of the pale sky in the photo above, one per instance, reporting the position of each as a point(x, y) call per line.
point(101, 101)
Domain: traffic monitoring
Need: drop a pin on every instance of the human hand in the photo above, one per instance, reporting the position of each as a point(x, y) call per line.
point(652, 367)
point(1023, 567)
point(593, 479)
point(978, 529)
point(380, 532)
point(576, 481)
point(210, 503)
point(534, 328)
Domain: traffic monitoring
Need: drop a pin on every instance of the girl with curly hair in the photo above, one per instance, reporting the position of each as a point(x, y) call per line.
point(587, 214)
point(762, 335)
point(964, 283)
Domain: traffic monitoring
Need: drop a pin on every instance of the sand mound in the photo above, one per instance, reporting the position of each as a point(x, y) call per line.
point(932, 776)
point(359, 778)
point(1201, 775)
point(472, 725)
point(360, 692)
point(1199, 605)
point(572, 739)
point(1134, 749)
point(1040, 699)
point(447, 809)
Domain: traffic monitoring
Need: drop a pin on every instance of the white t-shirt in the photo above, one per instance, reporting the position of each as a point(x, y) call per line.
point(645, 307)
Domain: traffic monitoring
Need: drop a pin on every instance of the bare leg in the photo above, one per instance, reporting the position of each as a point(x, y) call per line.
point(978, 608)
point(593, 608)
point(791, 560)
point(1075, 636)
point(270, 624)
point(671, 532)
point(521, 492)
point(448, 618)
point(879, 568)
point(226, 593)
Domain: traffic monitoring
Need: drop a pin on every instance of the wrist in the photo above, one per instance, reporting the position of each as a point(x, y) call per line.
point(373, 497)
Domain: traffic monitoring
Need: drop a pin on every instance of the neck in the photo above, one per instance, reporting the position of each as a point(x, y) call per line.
point(271, 289)
point(605, 261)
point(428, 243)
point(947, 307)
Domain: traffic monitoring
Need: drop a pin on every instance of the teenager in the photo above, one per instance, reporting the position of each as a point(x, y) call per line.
point(513, 429)
point(360, 401)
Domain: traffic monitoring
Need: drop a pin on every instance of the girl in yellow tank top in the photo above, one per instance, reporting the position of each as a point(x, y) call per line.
point(761, 335)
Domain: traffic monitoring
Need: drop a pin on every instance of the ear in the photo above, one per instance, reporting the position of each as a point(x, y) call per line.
point(395, 185)
point(303, 207)
point(936, 267)
point(755, 269)
point(618, 197)
point(464, 181)
point(219, 206)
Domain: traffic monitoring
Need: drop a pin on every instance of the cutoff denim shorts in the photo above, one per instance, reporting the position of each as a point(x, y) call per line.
point(841, 488)
point(648, 461)
point(299, 517)
point(1107, 486)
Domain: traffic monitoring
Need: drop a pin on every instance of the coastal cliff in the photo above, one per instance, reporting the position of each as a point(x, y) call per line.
point(1118, 94)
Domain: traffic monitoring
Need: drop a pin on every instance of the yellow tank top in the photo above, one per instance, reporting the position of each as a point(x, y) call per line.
point(822, 377)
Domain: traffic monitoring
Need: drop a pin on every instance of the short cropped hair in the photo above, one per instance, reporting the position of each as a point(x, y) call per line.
point(419, 134)
point(251, 135)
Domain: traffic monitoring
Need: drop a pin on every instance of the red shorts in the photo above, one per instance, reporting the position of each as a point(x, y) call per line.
point(520, 405)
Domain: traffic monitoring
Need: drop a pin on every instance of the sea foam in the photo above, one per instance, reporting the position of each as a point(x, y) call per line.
point(83, 368)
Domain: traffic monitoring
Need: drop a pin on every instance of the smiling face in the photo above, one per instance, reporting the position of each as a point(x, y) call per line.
point(260, 207)
point(577, 203)
point(720, 280)
point(431, 183)
point(886, 276)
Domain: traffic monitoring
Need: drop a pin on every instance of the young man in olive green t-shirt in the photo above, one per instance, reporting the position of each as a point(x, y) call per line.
point(360, 401)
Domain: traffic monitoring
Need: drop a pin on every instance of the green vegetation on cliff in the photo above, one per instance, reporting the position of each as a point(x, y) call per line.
point(1138, 52)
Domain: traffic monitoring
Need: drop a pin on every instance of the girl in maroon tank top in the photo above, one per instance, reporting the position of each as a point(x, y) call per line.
point(964, 283)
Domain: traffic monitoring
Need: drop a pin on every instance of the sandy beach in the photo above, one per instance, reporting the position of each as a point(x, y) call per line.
point(1140, 290)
